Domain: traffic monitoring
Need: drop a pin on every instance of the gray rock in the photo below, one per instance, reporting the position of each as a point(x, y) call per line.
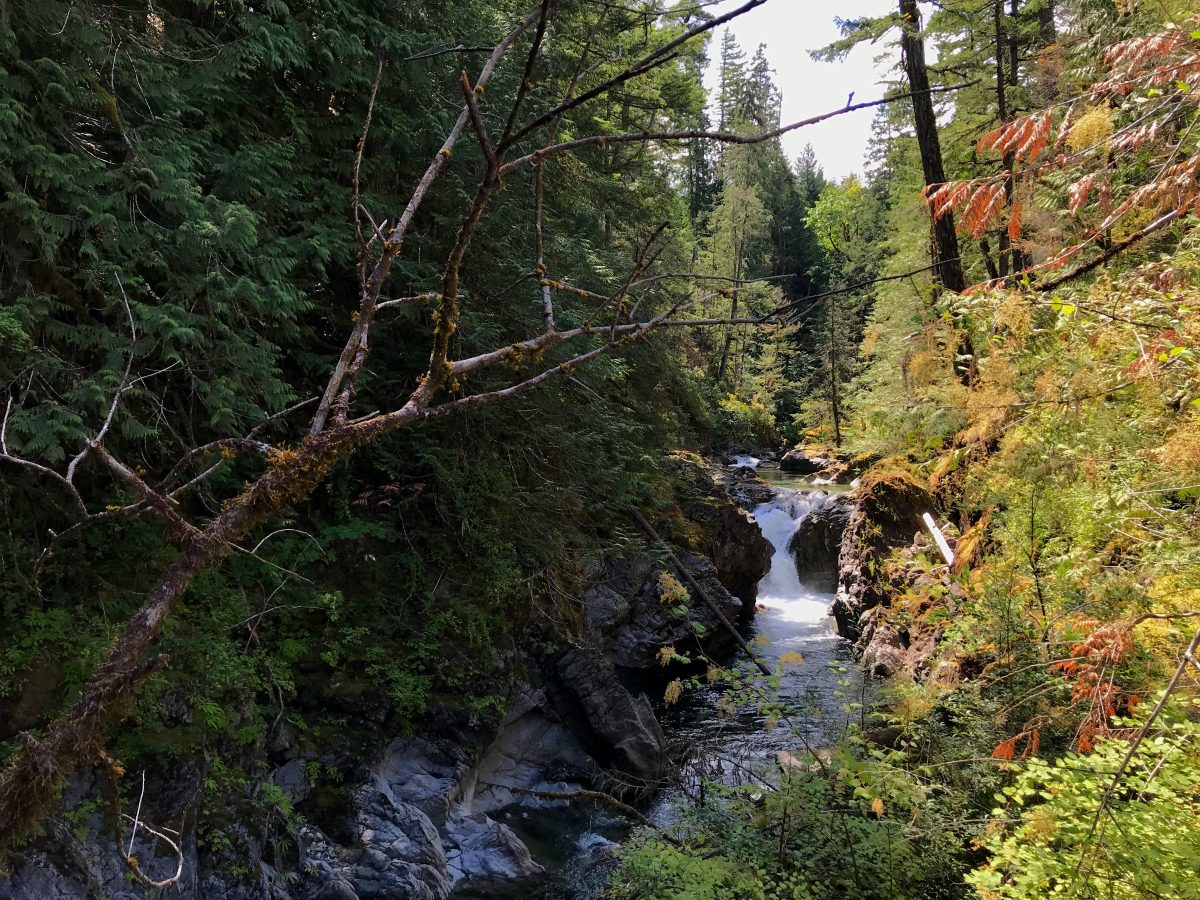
point(624, 733)
point(334, 889)
point(817, 543)
point(884, 654)
point(486, 849)
point(798, 462)
point(733, 542)
point(632, 634)
point(292, 779)
point(529, 745)
point(423, 773)
point(604, 609)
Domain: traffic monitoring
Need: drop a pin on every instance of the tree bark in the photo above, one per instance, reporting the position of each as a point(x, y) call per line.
point(833, 374)
point(737, 277)
point(944, 239)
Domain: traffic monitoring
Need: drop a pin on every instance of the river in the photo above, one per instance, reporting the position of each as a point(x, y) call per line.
point(822, 693)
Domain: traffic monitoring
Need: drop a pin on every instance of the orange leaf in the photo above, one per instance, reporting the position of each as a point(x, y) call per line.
point(877, 807)
point(1004, 750)
point(1014, 223)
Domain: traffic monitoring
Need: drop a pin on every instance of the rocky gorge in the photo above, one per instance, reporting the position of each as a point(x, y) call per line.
point(441, 811)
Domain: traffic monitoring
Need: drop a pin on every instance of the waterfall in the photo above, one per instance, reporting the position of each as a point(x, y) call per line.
point(746, 462)
point(780, 593)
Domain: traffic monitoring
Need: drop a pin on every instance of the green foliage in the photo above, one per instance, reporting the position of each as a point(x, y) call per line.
point(1059, 831)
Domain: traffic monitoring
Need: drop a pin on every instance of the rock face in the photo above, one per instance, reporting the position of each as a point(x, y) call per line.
point(712, 522)
point(906, 636)
point(733, 543)
point(631, 615)
point(817, 543)
point(618, 731)
point(888, 514)
point(893, 594)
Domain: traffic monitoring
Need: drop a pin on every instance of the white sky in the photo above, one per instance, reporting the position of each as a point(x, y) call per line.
point(790, 28)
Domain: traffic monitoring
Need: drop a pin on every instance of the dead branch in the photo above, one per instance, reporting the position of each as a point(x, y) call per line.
point(596, 797)
point(527, 77)
point(485, 143)
point(539, 263)
point(724, 137)
point(647, 63)
point(356, 202)
point(354, 352)
point(132, 861)
point(181, 530)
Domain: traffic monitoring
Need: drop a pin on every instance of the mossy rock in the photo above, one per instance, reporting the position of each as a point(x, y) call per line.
point(892, 498)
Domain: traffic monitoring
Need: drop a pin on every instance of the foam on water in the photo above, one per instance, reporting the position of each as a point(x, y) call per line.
point(781, 593)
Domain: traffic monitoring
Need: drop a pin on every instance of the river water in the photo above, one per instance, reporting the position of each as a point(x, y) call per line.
point(820, 688)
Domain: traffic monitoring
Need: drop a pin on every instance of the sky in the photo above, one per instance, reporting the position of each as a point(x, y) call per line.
point(790, 28)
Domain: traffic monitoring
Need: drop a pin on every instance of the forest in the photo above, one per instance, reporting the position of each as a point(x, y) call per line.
point(453, 450)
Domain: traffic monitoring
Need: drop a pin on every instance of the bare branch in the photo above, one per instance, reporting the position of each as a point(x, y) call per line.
point(356, 203)
point(527, 77)
point(67, 486)
point(724, 137)
point(539, 264)
point(121, 388)
point(225, 445)
point(485, 143)
point(354, 352)
point(644, 65)
point(431, 297)
point(182, 529)
point(461, 48)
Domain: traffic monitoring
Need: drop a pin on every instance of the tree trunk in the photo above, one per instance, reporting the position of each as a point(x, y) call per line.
point(944, 239)
point(737, 277)
point(1047, 29)
point(1002, 115)
point(833, 374)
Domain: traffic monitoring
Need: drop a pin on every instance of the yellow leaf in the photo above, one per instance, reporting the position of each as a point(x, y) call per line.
point(877, 807)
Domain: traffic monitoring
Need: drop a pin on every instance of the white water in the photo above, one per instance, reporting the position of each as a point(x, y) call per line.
point(746, 462)
point(781, 595)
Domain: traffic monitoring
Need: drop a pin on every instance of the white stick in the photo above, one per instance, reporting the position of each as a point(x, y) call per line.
point(939, 538)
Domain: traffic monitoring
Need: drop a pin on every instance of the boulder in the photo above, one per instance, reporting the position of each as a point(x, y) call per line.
point(402, 853)
point(485, 850)
point(798, 462)
point(817, 543)
point(622, 732)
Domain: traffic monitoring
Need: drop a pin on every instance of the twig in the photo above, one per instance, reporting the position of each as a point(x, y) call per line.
point(121, 388)
point(477, 123)
point(356, 202)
